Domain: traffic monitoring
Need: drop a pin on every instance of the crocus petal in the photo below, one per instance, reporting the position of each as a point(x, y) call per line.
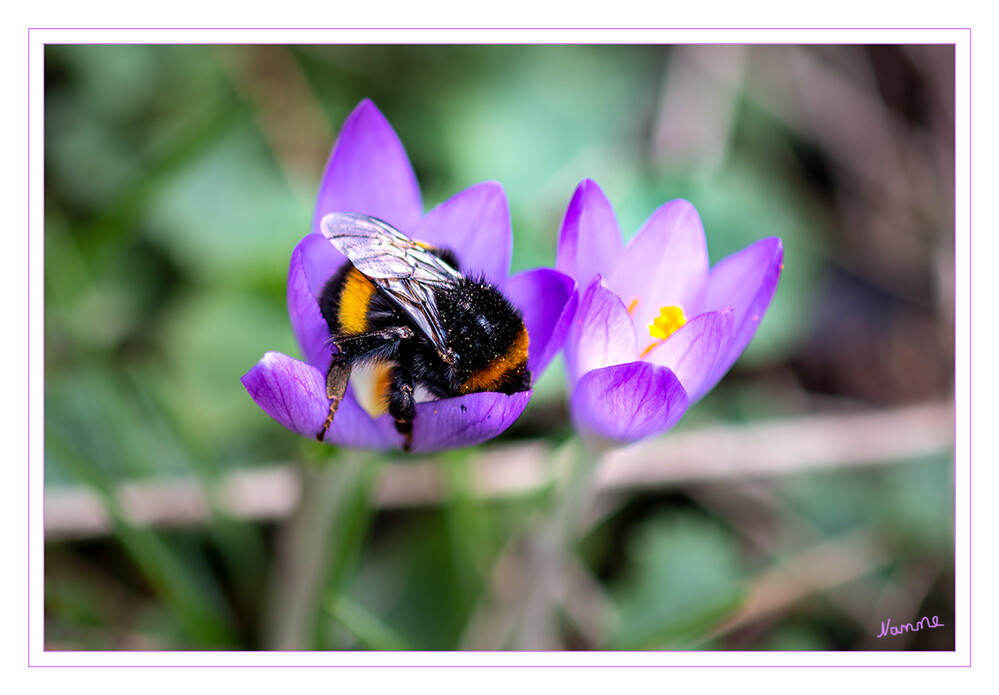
point(369, 172)
point(548, 319)
point(627, 402)
point(692, 352)
point(320, 260)
point(354, 428)
point(294, 394)
point(665, 264)
point(745, 281)
point(602, 333)
point(475, 224)
point(290, 391)
point(307, 322)
point(464, 421)
point(589, 242)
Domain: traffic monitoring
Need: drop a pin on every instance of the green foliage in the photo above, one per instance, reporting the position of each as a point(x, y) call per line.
point(414, 581)
point(917, 505)
point(684, 579)
point(907, 498)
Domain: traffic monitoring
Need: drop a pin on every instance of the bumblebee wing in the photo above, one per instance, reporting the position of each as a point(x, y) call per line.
point(382, 252)
point(417, 301)
point(404, 270)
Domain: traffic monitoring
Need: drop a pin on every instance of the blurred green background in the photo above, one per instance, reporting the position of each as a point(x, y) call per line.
point(179, 178)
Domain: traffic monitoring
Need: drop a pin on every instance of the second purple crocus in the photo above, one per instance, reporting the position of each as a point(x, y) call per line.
point(656, 328)
point(369, 172)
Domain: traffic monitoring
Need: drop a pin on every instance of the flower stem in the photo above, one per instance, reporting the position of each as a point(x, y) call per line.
point(550, 548)
point(317, 545)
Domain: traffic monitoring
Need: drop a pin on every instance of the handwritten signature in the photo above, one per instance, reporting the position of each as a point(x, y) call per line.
point(888, 629)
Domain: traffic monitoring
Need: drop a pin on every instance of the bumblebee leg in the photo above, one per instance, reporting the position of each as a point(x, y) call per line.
point(352, 348)
point(383, 342)
point(336, 385)
point(401, 404)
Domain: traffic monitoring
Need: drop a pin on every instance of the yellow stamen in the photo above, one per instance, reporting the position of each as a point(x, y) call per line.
point(669, 321)
point(632, 306)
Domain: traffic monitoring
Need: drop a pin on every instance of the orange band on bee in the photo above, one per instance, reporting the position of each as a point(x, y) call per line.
point(491, 376)
point(354, 299)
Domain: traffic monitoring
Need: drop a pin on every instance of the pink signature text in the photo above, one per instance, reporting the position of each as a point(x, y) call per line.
point(926, 621)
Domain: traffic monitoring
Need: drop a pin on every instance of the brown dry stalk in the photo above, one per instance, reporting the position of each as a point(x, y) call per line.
point(758, 450)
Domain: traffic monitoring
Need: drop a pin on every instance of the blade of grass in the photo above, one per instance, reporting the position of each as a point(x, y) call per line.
point(366, 627)
point(239, 542)
point(468, 527)
point(198, 607)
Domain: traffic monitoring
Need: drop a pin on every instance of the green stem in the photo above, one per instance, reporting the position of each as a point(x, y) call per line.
point(551, 546)
point(317, 545)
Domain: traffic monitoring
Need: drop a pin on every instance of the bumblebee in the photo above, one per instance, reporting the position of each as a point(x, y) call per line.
point(407, 305)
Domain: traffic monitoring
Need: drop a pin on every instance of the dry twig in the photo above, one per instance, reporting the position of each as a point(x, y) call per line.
point(763, 449)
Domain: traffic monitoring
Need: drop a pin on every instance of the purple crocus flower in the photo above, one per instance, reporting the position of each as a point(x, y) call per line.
point(369, 172)
point(655, 329)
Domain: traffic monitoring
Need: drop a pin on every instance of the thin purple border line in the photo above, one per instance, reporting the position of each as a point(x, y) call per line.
point(232, 29)
point(533, 666)
point(560, 29)
point(29, 365)
point(970, 496)
point(379, 666)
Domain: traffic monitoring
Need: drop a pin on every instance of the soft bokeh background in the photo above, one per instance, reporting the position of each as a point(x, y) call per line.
point(802, 503)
